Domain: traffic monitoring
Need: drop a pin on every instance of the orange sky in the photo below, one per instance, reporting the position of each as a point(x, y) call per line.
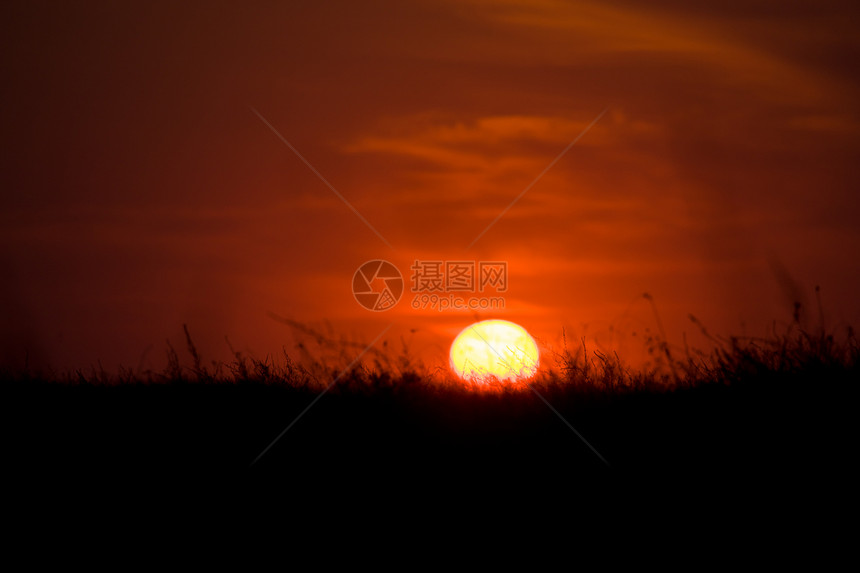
point(141, 191)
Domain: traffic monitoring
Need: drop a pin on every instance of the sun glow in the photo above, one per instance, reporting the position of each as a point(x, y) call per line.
point(494, 349)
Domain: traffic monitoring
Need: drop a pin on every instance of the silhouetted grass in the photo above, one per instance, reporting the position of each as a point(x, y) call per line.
point(794, 353)
point(747, 403)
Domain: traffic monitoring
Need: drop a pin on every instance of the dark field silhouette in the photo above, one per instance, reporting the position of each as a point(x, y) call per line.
point(775, 406)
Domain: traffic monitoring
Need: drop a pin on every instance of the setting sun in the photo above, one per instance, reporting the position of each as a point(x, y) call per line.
point(494, 348)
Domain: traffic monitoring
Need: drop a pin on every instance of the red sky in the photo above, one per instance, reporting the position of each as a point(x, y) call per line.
point(141, 192)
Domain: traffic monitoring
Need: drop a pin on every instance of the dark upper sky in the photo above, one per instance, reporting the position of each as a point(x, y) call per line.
point(141, 192)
